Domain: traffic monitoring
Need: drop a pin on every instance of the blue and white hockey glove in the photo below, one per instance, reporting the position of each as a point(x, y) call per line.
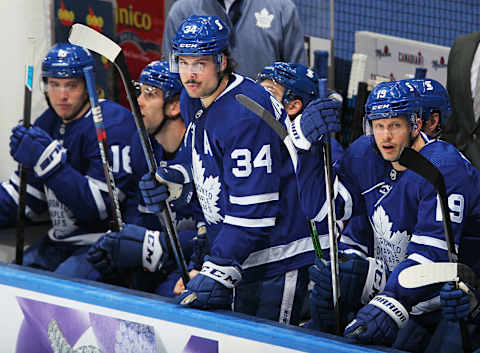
point(171, 183)
point(35, 148)
point(133, 247)
point(360, 280)
point(212, 287)
point(459, 303)
point(319, 119)
point(378, 322)
point(200, 249)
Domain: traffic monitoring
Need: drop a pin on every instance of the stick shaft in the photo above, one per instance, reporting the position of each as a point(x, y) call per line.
point(22, 170)
point(103, 147)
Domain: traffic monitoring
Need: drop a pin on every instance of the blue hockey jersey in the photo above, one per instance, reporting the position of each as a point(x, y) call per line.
point(76, 196)
point(406, 225)
point(245, 183)
point(185, 216)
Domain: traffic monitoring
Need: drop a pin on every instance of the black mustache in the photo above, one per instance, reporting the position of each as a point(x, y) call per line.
point(192, 81)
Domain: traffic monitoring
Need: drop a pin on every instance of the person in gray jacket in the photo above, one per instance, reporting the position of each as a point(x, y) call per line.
point(262, 31)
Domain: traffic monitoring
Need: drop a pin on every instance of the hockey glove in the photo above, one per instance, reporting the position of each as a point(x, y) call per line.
point(360, 280)
point(172, 183)
point(35, 148)
point(131, 248)
point(213, 287)
point(378, 322)
point(318, 120)
point(200, 249)
point(458, 303)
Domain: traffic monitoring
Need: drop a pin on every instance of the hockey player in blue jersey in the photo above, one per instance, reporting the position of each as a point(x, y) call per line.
point(245, 183)
point(436, 107)
point(296, 86)
point(66, 176)
point(402, 209)
point(159, 96)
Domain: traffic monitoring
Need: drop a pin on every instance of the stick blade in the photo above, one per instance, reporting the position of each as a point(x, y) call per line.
point(437, 272)
point(89, 38)
point(265, 115)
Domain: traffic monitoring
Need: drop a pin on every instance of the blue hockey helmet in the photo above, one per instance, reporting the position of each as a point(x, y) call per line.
point(297, 79)
point(200, 36)
point(434, 98)
point(65, 60)
point(157, 74)
point(392, 99)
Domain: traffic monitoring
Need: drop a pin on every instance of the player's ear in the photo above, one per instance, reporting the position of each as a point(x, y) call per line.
point(294, 107)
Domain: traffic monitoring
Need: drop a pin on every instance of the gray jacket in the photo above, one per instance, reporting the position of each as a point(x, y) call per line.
point(267, 31)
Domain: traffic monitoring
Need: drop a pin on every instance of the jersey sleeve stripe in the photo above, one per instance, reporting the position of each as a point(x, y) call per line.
point(350, 242)
point(100, 185)
point(254, 199)
point(431, 241)
point(419, 258)
point(30, 189)
point(97, 196)
point(250, 222)
point(79, 239)
point(278, 253)
point(143, 209)
point(339, 188)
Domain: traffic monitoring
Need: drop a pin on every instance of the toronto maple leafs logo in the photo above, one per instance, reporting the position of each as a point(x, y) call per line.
point(208, 190)
point(264, 19)
point(390, 247)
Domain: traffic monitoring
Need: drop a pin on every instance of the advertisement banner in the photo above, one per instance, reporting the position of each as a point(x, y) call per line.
point(98, 15)
point(42, 312)
point(139, 32)
point(395, 58)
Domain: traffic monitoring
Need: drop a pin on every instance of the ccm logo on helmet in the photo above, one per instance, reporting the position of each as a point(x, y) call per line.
point(188, 45)
point(380, 106)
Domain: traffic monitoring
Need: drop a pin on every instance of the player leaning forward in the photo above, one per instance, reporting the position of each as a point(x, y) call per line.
point(402, 209)
point(245, 183)
point(66, 176)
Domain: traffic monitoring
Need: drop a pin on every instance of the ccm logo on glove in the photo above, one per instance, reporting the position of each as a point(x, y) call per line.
point(227, 275)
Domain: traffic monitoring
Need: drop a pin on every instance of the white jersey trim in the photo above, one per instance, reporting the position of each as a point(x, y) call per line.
point(238, 80)
point(101, 185)
point(426, 306)
point(95, 188)
point(250, 222)
point(254, 199)
point(419, 258)
point(339, 188)
point(430, 241)
point(278, 253)
point(29, 213)
point(80, 239)
point(288, 297)
point(349, 241)
point(30, 189)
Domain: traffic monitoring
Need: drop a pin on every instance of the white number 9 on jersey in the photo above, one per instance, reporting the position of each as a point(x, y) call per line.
point(456, 204)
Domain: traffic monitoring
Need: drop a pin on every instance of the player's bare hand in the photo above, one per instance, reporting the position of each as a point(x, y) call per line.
point(180, 286)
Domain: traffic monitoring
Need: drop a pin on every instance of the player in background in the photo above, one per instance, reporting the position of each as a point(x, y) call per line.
point(436, 108)
point(66, 176)
point(245, 183)
point(402, 209)
point(296, 86)
point(159, 95)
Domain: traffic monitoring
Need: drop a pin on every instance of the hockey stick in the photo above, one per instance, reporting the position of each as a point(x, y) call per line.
point(89, 38)
point(332, 220)
point(103, 147)
point(437, 272)
point(280, 130)
point(22, 170)
point(417, 163)
point(257, 109)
